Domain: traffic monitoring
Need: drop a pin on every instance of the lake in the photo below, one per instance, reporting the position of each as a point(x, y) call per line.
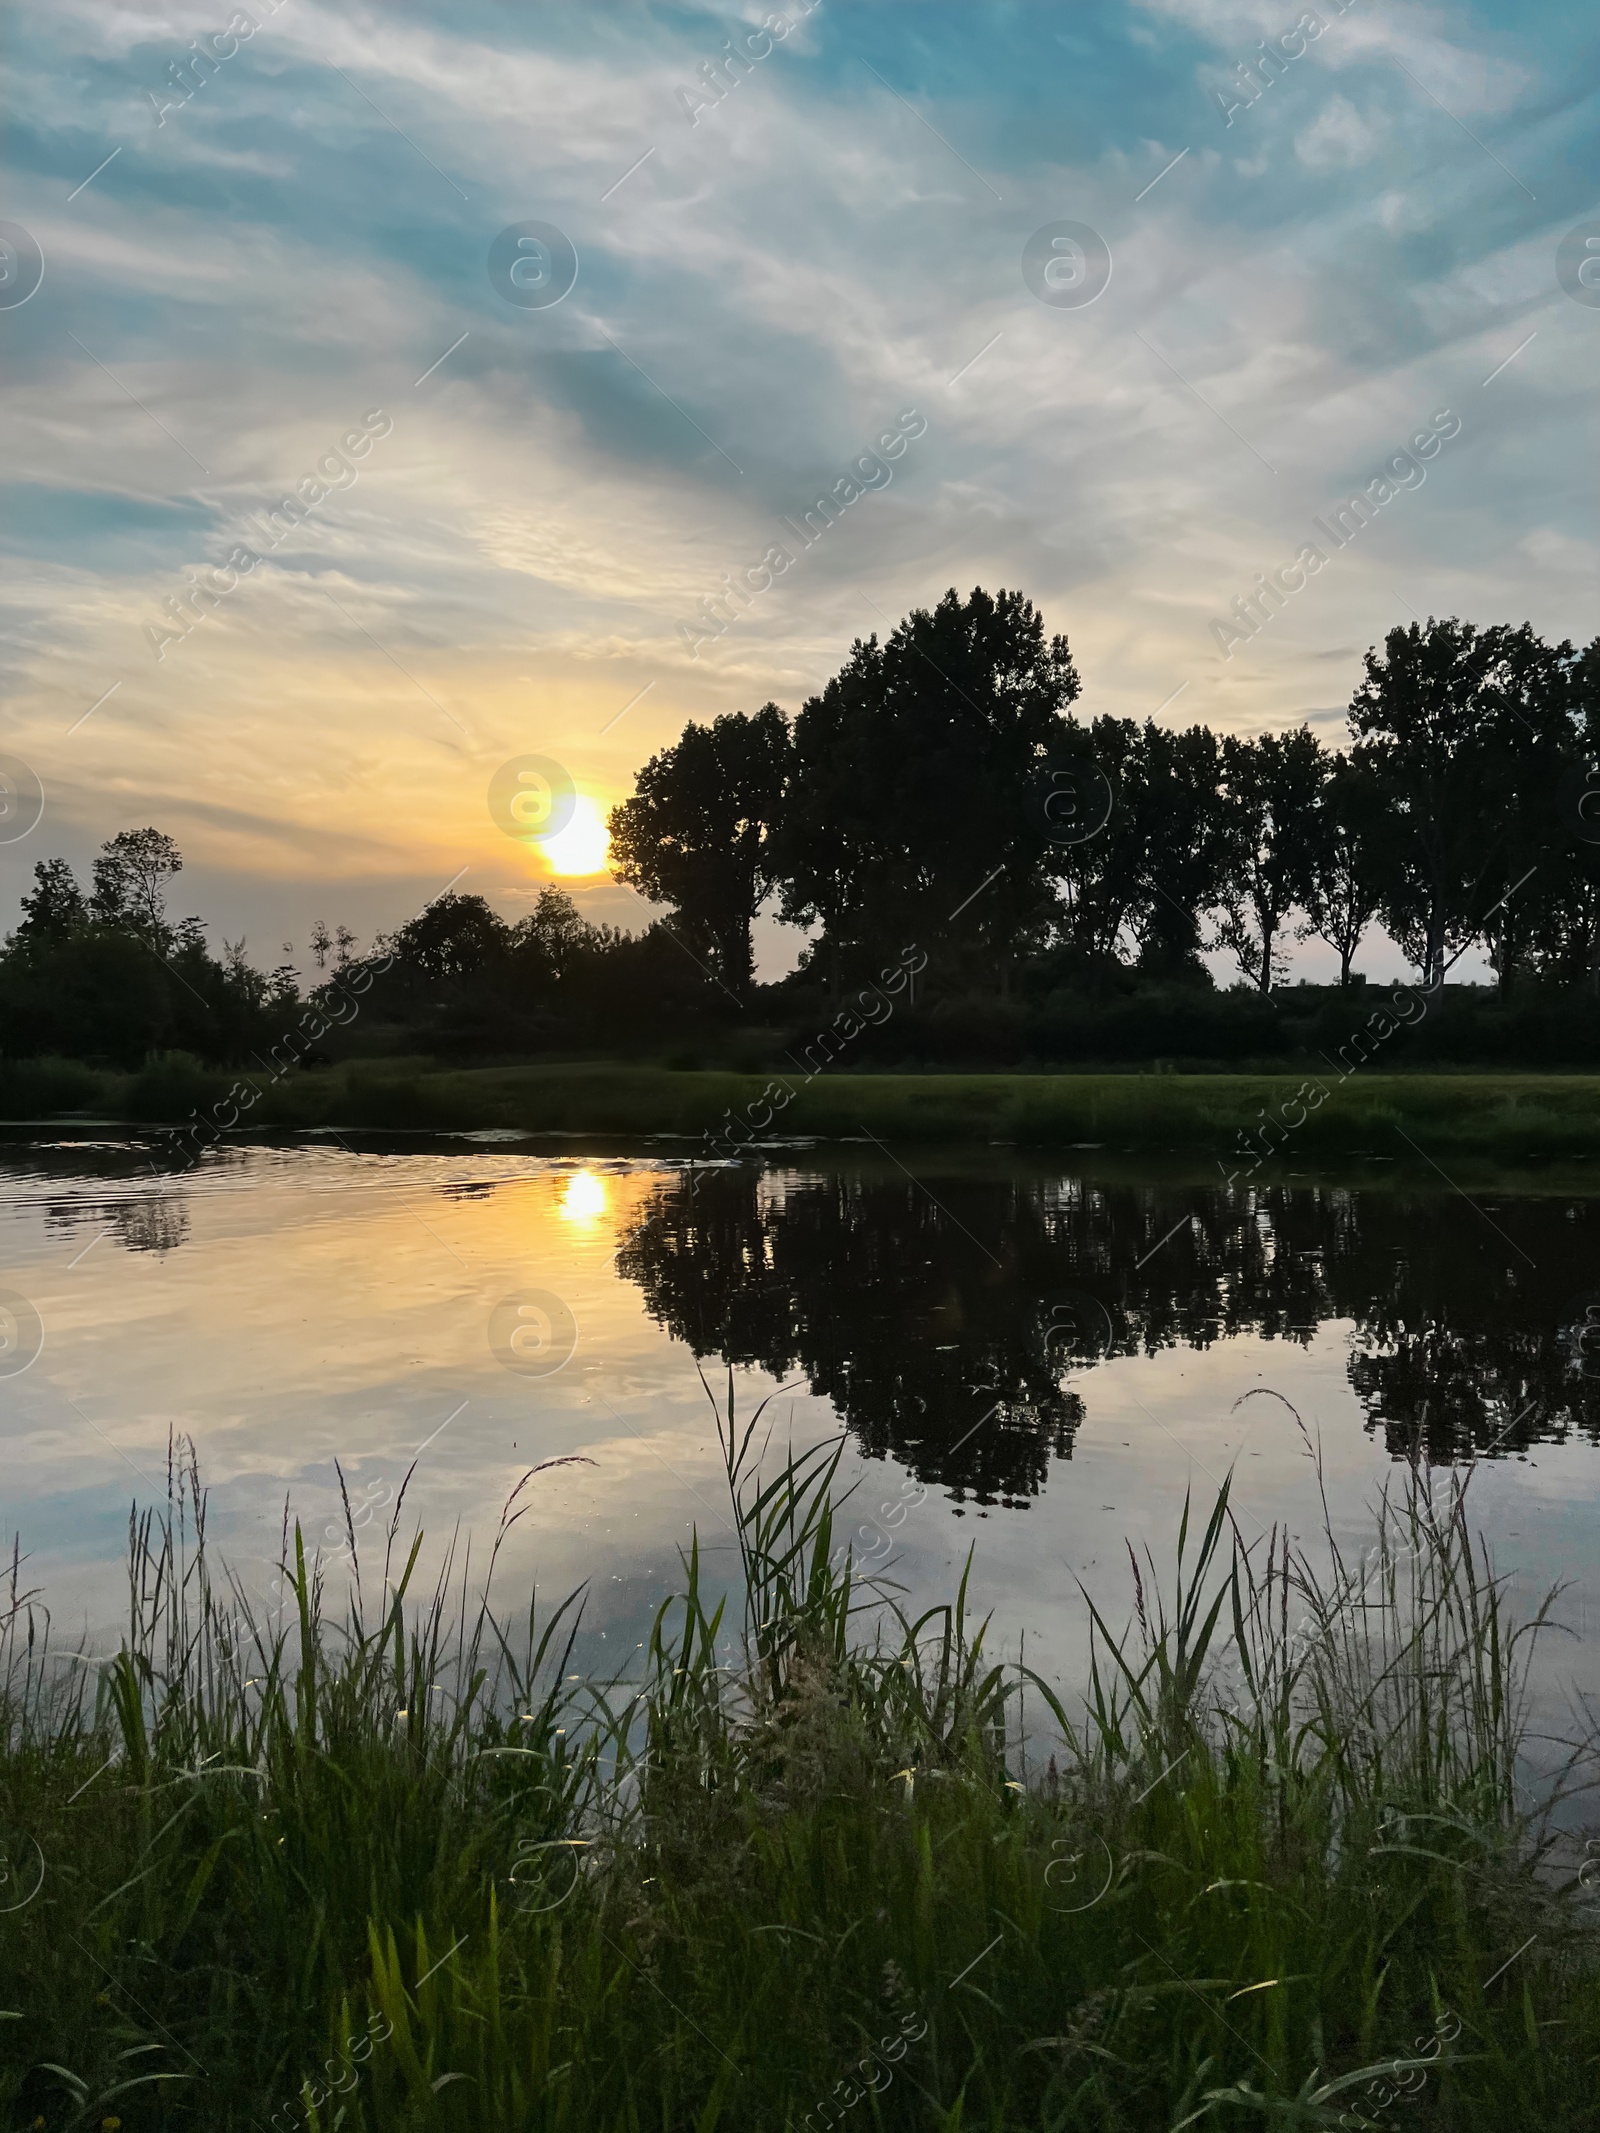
point(1032, 1356)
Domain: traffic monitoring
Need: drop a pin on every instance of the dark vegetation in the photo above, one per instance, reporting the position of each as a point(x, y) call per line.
point(386, 1863)
point(1512, 1117)
point(1054, 881)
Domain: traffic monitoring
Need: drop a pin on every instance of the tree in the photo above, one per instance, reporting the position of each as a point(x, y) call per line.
point(81, 978)
point(1531, 690)
point(553, 937)
point(455, 937)
point(699, 833)
point(823, 854)
point(1271, 790)
point(1455, 722)
point(1171, 812)
point(129, 881)
point(909, 817)
point(1554, 928)
point(55, 908)
point(1562, 910)
point(1344, 833)
point(1102, 880)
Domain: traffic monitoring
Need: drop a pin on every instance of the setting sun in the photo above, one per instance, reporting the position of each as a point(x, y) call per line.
point(582, 846)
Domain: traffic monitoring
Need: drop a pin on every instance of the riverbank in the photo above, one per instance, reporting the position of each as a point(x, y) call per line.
point(1237, 1119)
point(404, 1870)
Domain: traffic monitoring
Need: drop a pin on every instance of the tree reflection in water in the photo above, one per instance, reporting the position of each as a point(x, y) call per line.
point(951, 1322)
point(156, 1220)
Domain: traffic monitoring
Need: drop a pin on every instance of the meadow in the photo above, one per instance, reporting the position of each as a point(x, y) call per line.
point(380, 1860)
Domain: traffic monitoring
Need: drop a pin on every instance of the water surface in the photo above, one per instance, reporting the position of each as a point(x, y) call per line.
point(1034, 1356)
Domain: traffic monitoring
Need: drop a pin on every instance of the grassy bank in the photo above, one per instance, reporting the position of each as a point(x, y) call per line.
point(401, 1870)
point(1489, 1113)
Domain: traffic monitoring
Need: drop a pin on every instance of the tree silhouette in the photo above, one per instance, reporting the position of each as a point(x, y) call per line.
point(909, 816)
point(1346, 862)
point(699, 832)
point(1464, 728)
point(1272, 786)
point(130, 878)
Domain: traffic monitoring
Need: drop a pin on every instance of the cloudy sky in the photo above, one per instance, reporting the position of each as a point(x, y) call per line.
point(288, 246)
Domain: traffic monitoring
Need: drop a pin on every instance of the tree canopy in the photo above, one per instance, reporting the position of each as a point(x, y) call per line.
point(907, 816)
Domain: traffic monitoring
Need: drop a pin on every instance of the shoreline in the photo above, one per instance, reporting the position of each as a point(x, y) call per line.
point(1245, 1121)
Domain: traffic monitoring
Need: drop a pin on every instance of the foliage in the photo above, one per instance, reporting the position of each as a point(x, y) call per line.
point(1464, 731)
point(1283, 1835)
point(699, 833)
point(107, 977)
point(912, 772)
point(912, 814)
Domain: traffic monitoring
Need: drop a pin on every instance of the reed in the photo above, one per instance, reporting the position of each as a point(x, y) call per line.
point(377, 1861)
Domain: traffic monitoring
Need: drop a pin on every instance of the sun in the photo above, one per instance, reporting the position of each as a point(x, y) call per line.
point(582, 846)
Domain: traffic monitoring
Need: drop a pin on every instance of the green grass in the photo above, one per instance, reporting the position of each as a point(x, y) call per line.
point(1514, 1115)
point(1265, 1874)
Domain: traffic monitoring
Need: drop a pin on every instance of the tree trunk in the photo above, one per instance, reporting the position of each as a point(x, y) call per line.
point(1433, 954)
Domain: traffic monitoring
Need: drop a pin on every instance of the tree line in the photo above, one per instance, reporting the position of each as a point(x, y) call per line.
point(941, 789)
point(105, 974)
point(1060, 879)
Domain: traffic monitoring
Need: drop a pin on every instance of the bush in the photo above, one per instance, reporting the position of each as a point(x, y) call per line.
point(32, 1088)
point(170, 1085)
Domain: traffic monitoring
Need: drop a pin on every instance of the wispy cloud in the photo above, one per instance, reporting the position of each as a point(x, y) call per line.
point(782, 278)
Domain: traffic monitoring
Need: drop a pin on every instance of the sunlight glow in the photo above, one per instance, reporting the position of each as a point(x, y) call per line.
point(582, 846)
point(583, 1198)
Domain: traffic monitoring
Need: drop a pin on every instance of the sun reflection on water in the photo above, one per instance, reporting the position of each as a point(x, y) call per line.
point(584, 1200)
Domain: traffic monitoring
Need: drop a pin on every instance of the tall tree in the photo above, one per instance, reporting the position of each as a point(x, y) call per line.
point(1453, 721)
point(909, 819)
point(1171, 811)
point(699, 833)
point(1558, 910)
point(1345, 834)
point(1271, 787)
point(130, 878)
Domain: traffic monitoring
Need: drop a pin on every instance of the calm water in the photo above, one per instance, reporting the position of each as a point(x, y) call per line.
point(1032, 1357)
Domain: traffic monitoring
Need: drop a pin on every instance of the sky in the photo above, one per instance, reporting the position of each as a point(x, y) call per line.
point(303, 253)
